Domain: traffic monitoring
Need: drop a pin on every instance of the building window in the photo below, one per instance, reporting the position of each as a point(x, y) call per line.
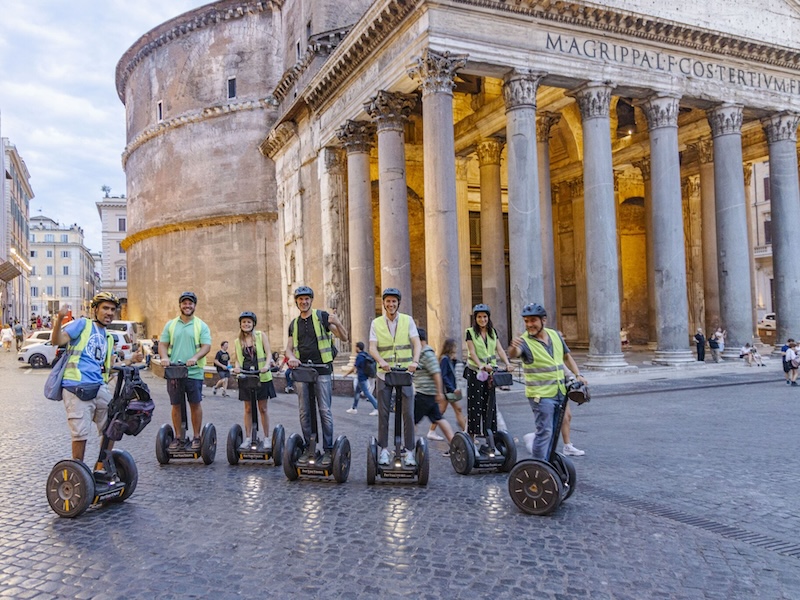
point(65, 291)
point(34, 291)
point(159, 112)
point(122, 224)
point(33, 237)
point(766, 189)
point(308, 29)
point(49, 269)
point(33, 270)
point(231, 87)
point(121, 249)
point(65, 254)
point(64, 238)
point(122, 274)
point(299, 54)
point(49, 254)
point(50, 290)
point(33, 253)
point(35, 308)
point(49, 237)
point(767, 232)
point(65, 270)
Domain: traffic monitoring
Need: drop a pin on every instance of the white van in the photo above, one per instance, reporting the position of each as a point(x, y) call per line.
point(134, 329)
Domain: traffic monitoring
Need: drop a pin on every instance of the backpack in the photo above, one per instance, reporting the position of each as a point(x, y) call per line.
point(370, 368)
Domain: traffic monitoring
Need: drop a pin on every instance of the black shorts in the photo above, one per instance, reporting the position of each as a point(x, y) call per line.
point(425, 405)
point(787, 366)
point(224, 374)
point(265, 391)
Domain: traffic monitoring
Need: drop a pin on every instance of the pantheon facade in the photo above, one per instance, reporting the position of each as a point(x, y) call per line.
point(596, 158)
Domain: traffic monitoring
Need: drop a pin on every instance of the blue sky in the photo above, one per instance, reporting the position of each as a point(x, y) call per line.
point(58, 101)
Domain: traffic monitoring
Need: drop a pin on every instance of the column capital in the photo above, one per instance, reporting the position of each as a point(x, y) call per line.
point(704, 149)
point(644, 167)
point(519, 89)
point(462, 167)
point(781, 126)
point(544, 122)
point(594, 99)
point(488, 151)
point(390, 109)
point(661, 110)
point(575, 187)
point(725, 119)
point(356, 136)
point(436, 71)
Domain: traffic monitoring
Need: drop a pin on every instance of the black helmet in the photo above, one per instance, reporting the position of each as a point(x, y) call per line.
point(188, 296)
point(481, 308)
point(303, 290)
point(101, 297)
point(577, 391)
point(248, 315)
point(534, 310)
point(392, 292)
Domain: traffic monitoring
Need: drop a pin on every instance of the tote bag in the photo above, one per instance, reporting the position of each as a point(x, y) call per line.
point(52, 387)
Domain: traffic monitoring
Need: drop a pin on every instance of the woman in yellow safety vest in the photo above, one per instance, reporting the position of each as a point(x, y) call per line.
point(484, 347)
point(252, 353)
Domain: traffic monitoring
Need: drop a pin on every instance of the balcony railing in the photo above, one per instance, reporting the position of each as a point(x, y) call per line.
point(764, 251)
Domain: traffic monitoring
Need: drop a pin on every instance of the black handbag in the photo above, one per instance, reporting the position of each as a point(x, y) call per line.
point(502, 378)
point(176, 372)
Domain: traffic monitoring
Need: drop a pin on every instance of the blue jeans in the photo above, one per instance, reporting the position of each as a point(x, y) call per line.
point(362, 385)
point(322, 389)
point(546, 413)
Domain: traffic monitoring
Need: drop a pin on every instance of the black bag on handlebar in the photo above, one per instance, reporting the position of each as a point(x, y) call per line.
point(305, 374)
point(502, 378)
point(399, 378)
point(249, 383)
point(176, 372)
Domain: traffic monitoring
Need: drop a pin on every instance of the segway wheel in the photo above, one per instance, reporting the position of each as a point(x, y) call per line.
point(341, 459)
point(372, 461)
point(278, 440)
point(291, 454)
point(208, 443)
point(462, 453)
point(423, 461)
point(505, 444)
point(535, 487)
point(70, 488)
point(127, 471)
point(235, 438)
point(566, 469)
point(163, 440)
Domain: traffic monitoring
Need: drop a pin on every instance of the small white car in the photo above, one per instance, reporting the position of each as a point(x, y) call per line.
point(37, 337)
point(38, 354)
point(768, 322)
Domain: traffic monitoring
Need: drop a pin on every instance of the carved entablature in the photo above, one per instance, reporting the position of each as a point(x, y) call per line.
point(644, 167)
point(277, 138)
point(545, 121)
point(661, 111)
point(704, 149)
point(489, 151)
point(594, 99)
point(519, 89)
point(780, 127)
point(357, 136)
point(725, 119)
point(436, 71)
point(390, 109)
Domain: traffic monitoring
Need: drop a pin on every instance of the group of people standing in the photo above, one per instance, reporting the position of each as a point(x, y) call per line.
point(716, 343)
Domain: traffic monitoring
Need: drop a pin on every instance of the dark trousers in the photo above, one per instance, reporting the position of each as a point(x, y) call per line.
point(701, 352)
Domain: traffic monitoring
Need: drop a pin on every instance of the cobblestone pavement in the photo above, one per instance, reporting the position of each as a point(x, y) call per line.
point(681, 494)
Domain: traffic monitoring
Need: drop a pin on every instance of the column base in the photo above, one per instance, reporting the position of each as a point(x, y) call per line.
point(614, 363)
point(675, 358)
point(653, 346)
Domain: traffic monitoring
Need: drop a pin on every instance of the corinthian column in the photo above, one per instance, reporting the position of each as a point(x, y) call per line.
point(493, 261)
point(733, 263)
point(669, 255)
point(644, 168)
point(748, 203)
point(519, 94)
point(543, 125)
point(390, 111)
point(357, 138)
point(781, 132)
point(436, 72)
point(602, 262)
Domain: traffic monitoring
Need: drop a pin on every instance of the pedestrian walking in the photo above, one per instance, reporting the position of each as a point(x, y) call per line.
point(447, 364)
point(787, 366)
point(793, 361)
point(364, 368)
point(430, 389)
point(222, 362)
point(7, 336)
point(19, 334)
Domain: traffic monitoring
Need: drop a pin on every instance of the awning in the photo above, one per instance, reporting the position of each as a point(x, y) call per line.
point(8, 271)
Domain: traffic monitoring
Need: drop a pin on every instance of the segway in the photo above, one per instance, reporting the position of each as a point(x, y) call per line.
point(72, 486)
point(396, 380)
point(250, 381)
point(539, 487)
point(176, 374)
point(305, 460)
point(499, 453)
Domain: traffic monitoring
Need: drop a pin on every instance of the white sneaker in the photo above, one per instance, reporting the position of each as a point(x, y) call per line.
point(432, 435)
point(571, 450)
point(409, 460)
point(245, 443)
point(352, 411)
point(384, 457)
point(528, 440)
point(374, 413)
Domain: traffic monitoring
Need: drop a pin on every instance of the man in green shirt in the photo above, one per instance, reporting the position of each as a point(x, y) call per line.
point(186, 339)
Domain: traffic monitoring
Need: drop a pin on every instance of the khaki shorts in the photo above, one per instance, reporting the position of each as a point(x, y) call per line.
point(81, 413)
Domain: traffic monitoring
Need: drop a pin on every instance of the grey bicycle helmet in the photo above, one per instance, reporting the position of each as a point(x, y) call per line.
point(248, 315)
point(392, 292)
point(534, 310)
point(303, 290)
point(484, 308)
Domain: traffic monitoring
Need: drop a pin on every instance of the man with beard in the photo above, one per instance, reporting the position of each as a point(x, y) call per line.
point(89, 353)
point(186, 339)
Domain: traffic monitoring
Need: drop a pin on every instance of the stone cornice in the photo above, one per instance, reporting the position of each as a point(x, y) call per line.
point(635, 25)
point(219, 221)
point(661, 111)
point(725, 119)
point(357, 136)
point(780, 127)
point(182, 25)
point(196, 116)
point(277, 138)
point(436, 71)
